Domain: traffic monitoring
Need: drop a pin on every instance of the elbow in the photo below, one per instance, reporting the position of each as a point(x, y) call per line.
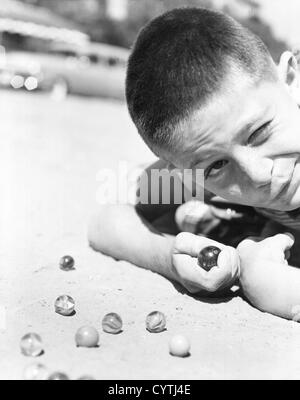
point(96, 230)
point(104, 227)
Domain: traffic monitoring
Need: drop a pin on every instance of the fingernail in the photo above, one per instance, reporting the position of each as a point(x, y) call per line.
point(290, 235)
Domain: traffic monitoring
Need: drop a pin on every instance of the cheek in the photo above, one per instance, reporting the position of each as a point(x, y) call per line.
point(284, 142)
point(291, 136)
point(233, 187)
point(226, 189)
point(287, 131)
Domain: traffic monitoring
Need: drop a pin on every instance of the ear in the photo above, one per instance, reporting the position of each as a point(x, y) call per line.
point(288, 69)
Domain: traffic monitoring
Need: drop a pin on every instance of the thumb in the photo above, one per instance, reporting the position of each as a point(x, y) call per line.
point(229, 260)
point(283, 241)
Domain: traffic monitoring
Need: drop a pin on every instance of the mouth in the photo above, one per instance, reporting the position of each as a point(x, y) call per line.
point(283, 188)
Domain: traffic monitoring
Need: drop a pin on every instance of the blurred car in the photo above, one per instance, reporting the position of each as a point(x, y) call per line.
point(18, 76)
point(91, 70)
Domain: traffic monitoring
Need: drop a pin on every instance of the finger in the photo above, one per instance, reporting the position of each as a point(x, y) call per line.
point(192, 288)
point(287, 254)
point(229, 261)
point(190, 244)
point(255, 238)
point(189, 270)
point(283, 241)
point(227, 214)
point(228, 269)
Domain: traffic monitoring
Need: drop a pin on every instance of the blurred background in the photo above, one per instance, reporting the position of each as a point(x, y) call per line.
point(80, 47)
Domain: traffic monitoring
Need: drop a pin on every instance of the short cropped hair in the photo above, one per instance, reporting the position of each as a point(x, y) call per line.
point(179, 60)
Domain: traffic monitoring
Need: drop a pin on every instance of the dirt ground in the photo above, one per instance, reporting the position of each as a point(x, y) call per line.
point(50, 154)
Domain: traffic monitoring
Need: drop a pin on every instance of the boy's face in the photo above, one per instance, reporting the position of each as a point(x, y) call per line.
point(247, 141)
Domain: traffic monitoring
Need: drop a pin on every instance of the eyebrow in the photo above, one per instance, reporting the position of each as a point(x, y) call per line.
point(241, 132)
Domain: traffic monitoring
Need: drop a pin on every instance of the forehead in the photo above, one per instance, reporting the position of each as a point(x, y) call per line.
point(233, 109)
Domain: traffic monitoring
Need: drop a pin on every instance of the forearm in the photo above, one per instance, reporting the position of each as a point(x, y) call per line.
point(120, 232)
point(272, 288)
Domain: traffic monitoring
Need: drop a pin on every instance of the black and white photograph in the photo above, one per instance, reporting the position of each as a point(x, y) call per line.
point(150, 192)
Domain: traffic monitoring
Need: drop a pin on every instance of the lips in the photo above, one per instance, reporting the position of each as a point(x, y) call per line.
point(282, 189)
point(281, 185)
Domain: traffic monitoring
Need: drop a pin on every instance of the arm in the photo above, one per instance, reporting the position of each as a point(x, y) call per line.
point(127, 232)
point(120, 232)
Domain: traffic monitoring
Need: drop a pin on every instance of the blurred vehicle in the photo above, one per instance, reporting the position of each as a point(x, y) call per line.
point(91, 70)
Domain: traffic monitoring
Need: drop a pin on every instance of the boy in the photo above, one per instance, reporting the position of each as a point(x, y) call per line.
point(204, 93)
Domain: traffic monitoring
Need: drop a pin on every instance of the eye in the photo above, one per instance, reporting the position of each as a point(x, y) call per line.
point(213, 169)
point(260, 135)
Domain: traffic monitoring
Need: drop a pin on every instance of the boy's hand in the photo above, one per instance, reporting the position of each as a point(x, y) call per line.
point(194, 278)
point(256, 249)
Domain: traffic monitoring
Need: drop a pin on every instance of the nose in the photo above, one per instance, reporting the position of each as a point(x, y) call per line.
point(258, 169)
